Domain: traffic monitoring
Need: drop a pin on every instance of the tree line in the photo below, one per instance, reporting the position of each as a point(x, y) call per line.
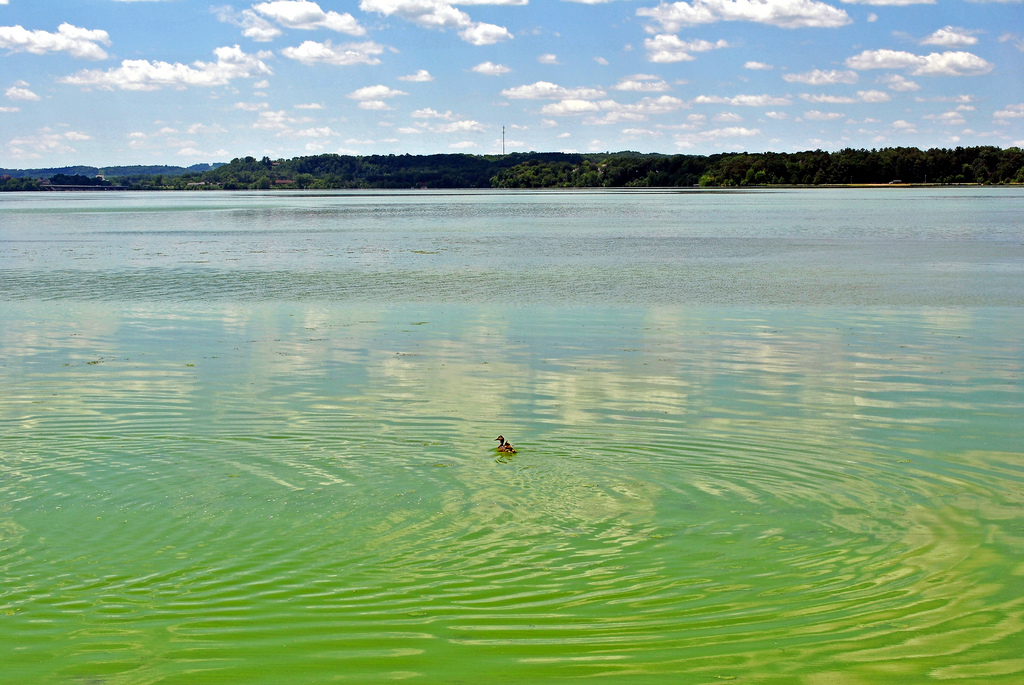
point(984, 165)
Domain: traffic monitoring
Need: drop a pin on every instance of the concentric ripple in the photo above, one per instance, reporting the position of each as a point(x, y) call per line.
point(249, 489)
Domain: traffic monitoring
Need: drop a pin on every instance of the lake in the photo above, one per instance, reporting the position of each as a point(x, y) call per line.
point(763, 436)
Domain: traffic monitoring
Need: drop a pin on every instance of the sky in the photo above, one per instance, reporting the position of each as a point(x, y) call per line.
point(180, 82)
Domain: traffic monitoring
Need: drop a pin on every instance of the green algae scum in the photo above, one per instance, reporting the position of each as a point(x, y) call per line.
point(763, 437)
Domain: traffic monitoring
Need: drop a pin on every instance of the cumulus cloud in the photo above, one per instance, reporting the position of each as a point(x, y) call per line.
point(46, 142)
point(894, 3)
point(491, 69)
point(1011, 112)
point(458, 127)
point(818, 77)
point(934, 64)
point(947, 118)
point(429, 113)
point(950, 37)
point(437, 14)
point(308, 16)
point(544, 90)
point(278, 121)
point(744, 100)
point(815, 115)
point(642, 83)
point(10, 110)
point(615, 112)
point(19, 92)
point(79, 42)
point(668, 48)
point(140, 74)
point(899, 83)
point(251, 106)
point(373, 97)
point(873, 96)
point(421, 76)
point(571, 107)
point(758, 66)
point(783, 13)
point(308, 105)
point(311, 52)
point(253, 25)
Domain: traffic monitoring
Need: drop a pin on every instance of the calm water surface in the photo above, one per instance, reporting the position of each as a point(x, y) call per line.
point(768, 437)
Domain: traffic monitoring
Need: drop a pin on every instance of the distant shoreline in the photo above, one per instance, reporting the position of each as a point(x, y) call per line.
point(887, 167)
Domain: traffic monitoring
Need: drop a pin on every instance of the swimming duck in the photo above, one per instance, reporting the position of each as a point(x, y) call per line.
point(505, 446)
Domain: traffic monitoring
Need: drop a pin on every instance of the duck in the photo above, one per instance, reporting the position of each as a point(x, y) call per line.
point(505, 446)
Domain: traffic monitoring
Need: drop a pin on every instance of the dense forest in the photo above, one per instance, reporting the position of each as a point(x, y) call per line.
point(985, 165)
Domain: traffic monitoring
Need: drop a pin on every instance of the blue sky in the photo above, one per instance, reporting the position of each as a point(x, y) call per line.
point(109, 82)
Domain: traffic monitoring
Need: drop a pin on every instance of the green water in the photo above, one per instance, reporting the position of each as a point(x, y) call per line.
point(762, 437)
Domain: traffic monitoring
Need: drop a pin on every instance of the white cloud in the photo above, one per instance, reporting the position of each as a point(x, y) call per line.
point(642, 83)
point(46, 142)
point(375, 93)
point(458, 127)
point(437, 14)
point(544, 90)
point(311, 52)
point(309, 105)
point(894, 3)
point(783, 13)
point(251, 106)
point(934, 64)
point(776, 115)
point(17, 93)
point(744, 100)
point(1012, 38)
point(140, 74)
point(421, 76)
point(817, 77)
point(314, 132)
point(667, 48)
point(428, 113)
point(899, 83)
point(727, 117)
point(828, 99)
point(815, 115)
point(602, 61)
point(902, 125)
point(873, 96)
point(203, 128)
point(79, 42)
point(305, 15)
point(548, 59)
point(479, 33)
point(491, 69)
point(758, 66)
point(947, 118)
point(1011, 112)
point(949, 37)
point(10, 110)
point(278, 121)
point(615, 112)
point(253, 25)
point(570, 107)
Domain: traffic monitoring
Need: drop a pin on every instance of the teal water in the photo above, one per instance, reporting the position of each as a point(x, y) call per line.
point(768, 437)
